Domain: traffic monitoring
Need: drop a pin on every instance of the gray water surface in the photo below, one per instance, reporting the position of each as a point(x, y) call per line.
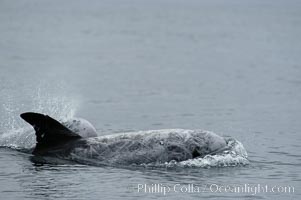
point(231, 67)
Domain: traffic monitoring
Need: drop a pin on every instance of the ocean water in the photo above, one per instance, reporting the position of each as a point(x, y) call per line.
point(230, 67)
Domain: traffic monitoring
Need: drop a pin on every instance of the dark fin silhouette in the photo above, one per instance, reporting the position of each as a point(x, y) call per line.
point(50, 133)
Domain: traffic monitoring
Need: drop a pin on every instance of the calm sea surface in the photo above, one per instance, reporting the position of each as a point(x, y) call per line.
point(231, 67)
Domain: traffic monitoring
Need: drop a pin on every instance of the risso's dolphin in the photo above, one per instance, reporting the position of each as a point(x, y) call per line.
point(143, 147)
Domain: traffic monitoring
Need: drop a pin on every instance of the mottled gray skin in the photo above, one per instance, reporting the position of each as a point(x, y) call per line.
point(81, 126)
point(144, 147)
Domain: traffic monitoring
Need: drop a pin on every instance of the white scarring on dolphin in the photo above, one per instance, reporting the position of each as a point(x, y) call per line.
point(144, 147)
point(81, 126)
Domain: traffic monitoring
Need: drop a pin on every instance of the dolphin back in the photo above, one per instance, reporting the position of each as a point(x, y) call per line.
point(50, 134)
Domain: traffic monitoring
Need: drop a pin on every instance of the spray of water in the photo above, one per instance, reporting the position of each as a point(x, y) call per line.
point(14, 132)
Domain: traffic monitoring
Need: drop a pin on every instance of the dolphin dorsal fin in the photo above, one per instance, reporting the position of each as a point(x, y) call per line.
point(49, 132)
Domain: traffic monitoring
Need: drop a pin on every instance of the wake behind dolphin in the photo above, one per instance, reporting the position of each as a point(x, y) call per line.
point(137, 148)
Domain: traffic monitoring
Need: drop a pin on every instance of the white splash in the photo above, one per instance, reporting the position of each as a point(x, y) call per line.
point(233, 155)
